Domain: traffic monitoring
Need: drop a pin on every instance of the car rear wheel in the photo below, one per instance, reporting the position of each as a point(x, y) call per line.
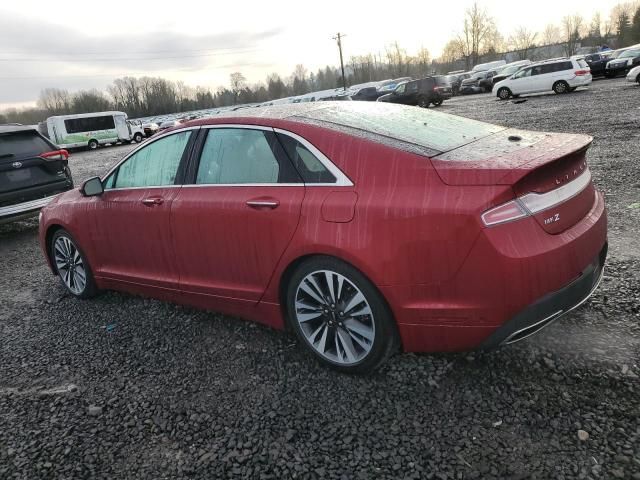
point(137, 137)
point(437, 102)
point(504, 93)
point(72, 266)
point(339, 316)
point(93, 144)
point(638, 79)
point(423, 102)
point(561, 87)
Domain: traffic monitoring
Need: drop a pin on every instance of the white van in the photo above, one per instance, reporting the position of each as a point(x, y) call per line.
point(560, 75)
point(92, 129)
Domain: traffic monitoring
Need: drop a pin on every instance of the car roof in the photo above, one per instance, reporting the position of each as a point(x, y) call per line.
point(8, 128)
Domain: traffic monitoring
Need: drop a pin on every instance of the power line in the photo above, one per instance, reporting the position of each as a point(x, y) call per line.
point(122, 74)
point(338, 38)
point(119, 59)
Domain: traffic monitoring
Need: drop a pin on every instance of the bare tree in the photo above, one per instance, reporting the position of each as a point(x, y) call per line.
point(423, 60)
point(523, 41)
point(477, 33)
point(238, 83)
point(572, 26)
point(86, 101)
point(55, 101)
point(551, 35)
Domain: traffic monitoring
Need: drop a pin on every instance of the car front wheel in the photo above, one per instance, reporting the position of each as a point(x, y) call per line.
point(423, 102)
point(339, 316)
point(72, 266)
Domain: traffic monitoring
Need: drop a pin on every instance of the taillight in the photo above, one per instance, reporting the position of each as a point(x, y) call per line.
point(582, 72)
point(533, 203)
point(55, 155)
point(507, 212)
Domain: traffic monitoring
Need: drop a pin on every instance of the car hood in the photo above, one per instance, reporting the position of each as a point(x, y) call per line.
point(385, 98)
point(505, 157)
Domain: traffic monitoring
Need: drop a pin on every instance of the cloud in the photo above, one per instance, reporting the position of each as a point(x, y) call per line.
point(38, 54)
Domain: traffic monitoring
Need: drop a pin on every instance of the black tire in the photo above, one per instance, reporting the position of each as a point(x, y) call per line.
point(504, 93)
point(638, 79)
point(385, 337)
point(423, 102)
point(437, 102)
point(93, 144)
point(561, 87)
point(138, 137)
point(90, 289)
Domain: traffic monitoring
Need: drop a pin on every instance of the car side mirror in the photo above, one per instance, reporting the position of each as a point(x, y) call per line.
point(92, 187)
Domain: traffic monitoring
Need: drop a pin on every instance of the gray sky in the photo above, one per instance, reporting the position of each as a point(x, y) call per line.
point(78, 44)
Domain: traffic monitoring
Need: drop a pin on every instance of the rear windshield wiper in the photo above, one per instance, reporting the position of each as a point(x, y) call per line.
point(4, 155)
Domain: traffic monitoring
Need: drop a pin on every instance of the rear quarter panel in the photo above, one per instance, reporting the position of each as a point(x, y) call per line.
point(408, 226)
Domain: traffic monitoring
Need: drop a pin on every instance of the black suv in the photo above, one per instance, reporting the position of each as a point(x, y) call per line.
point(422, 93)
point(32, 171)
point(597, 62)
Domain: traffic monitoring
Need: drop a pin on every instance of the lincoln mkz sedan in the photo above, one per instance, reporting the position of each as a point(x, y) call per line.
point(362, 227)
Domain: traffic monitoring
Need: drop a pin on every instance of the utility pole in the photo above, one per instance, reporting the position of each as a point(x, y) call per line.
point(338, 38)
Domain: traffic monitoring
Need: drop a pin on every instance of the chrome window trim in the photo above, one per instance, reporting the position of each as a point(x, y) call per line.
point(155, 138)
point(341, 179)
point(539, 202)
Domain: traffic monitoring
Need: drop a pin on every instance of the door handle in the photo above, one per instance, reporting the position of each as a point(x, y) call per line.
point(258, 204)
point(150, 202)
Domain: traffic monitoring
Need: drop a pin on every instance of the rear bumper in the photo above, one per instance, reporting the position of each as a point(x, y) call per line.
point(550, 307)
point(22, 210)
point(509, 269)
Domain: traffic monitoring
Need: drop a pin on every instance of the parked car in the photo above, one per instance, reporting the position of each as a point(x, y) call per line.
point(341, 97)
point(509, 70)
point(442, 87)
point(623, 63)
point(368, 94)
point(456, 81)
point(486, 82)
point(380, 226)
point(168, 124)
point(422, 93)
point(389, 86)
point(634, 75)
point(560, 75)
point(597, 63)
point(32, 172)
point(472, 84)
point(150, 128)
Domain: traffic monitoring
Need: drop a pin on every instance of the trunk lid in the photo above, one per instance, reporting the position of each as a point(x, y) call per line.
point(547, 172)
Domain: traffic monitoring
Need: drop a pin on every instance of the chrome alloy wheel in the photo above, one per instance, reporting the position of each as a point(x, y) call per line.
point(334, 317)
point(69, 264)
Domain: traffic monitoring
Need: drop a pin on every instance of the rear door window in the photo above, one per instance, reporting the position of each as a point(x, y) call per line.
point(243, 156)
point(21, 144)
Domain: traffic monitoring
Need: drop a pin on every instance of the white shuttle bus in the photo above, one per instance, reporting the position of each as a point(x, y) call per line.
point(91, 129)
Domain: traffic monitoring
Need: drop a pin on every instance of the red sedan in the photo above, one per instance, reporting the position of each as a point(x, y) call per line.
point(363, 227)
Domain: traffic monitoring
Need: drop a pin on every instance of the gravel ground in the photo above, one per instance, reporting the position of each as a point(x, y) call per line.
point(125, 387)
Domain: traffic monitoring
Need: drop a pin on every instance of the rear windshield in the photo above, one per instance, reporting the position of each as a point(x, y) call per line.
point(439, 132)
point(583, 63)
point(21, 144)
point(442, 81)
